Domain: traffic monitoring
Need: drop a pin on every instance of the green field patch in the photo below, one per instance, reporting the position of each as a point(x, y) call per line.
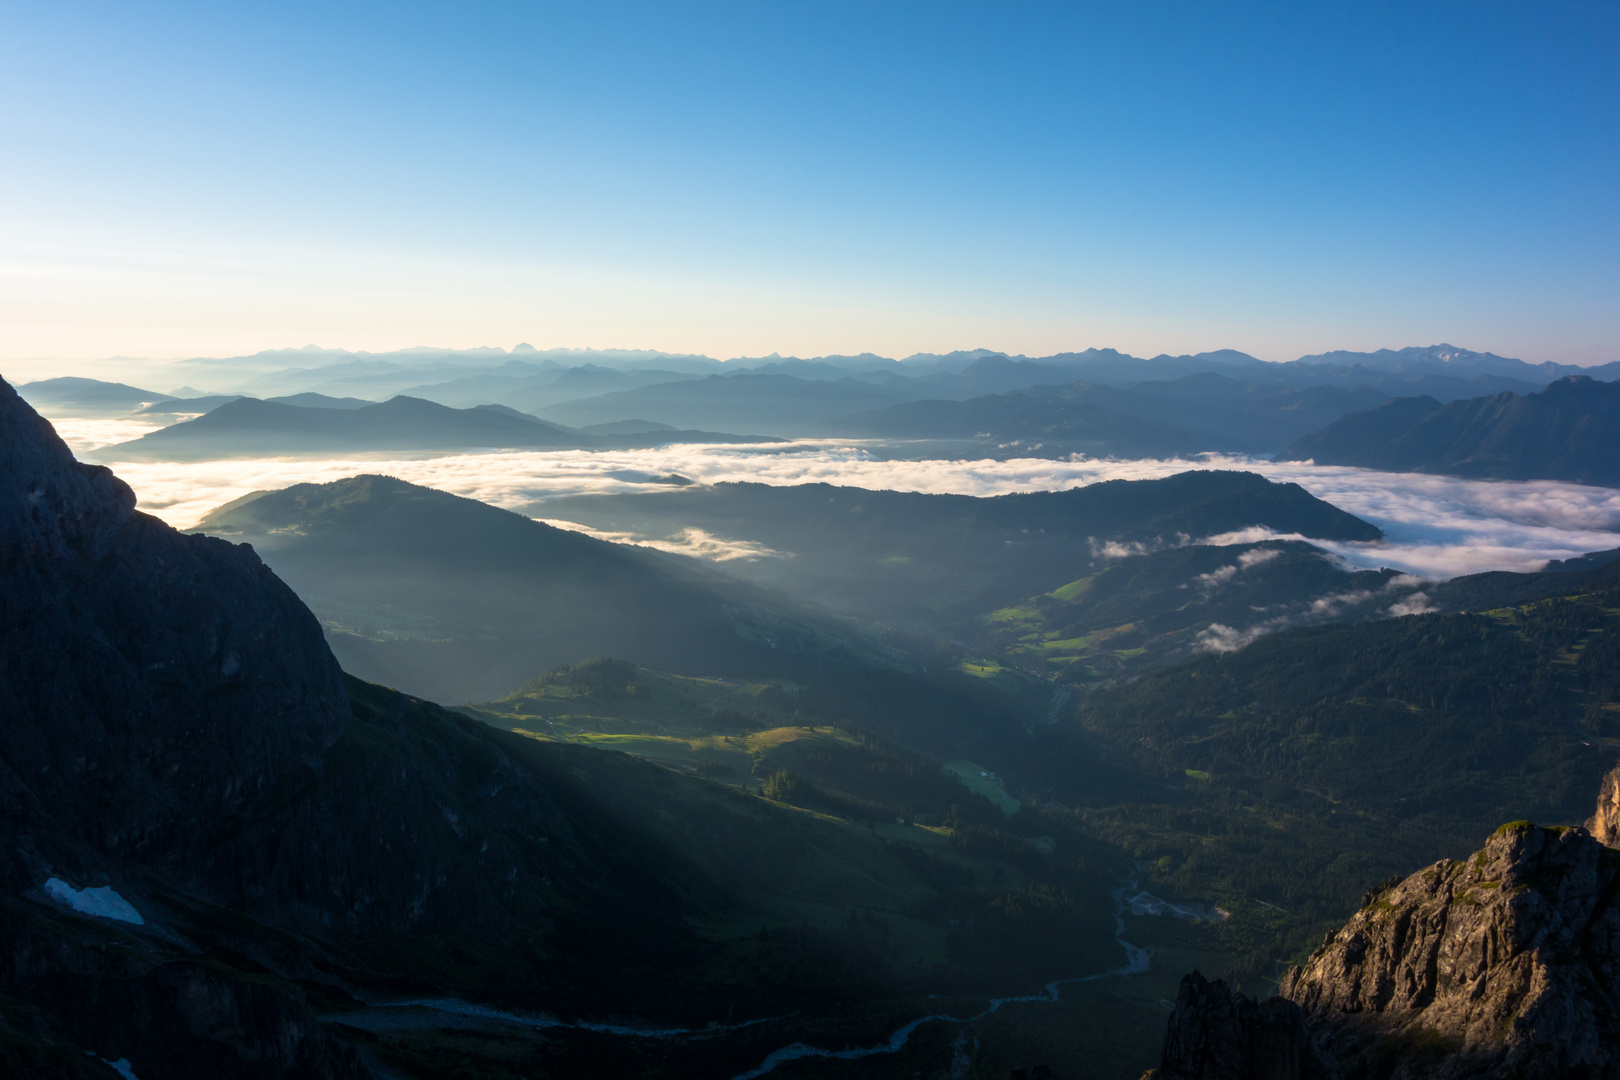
point(1014, 614)
point(1073, 590)
point(1197, 774)
point(980, 669)
point(982, 781)
point(1068, 645)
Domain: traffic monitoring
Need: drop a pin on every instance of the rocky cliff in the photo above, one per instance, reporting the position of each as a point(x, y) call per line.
point(1604, 824)
point(154, 688)
point(1504, 964)
point(151, 683)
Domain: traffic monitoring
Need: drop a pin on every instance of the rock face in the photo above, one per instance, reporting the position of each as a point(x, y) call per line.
point(154, 688)
point(1505, 964)
point(151, 683)
point(1605, 823)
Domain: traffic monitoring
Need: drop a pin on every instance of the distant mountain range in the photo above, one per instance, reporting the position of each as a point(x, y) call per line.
point(246, 427)
point(1569, 431)
point(176, 409)
point(746, 402)
point(530, 389)
point(1099, 402)
point(71, 396)
point(461, 377)
point(1147, 419)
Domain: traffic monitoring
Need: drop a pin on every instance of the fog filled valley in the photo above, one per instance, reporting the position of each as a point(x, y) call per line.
point(472, 713)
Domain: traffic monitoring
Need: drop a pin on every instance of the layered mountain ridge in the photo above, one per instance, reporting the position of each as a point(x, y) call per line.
point(1565, 432)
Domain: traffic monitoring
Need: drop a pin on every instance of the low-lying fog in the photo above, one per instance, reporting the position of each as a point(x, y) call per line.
point(1437, 526)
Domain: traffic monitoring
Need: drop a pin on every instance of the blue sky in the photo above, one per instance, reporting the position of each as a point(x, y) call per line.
point(184, 179)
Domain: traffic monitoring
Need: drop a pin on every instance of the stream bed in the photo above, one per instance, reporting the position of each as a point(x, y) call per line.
point(453, 1013)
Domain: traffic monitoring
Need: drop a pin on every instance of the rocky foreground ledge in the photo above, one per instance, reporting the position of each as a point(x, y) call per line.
point(1504, 964)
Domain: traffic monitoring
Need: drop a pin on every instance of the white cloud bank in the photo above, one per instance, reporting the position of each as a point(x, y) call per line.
point(1222, 574)
point(1436, 527)
point(694, 542)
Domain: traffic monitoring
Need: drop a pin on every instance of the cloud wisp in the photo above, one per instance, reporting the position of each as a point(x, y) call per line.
point(1436, 527)
point(695, 542)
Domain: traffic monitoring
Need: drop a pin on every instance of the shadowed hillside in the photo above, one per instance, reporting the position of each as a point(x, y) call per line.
point(454, 599)
point(1569, 431)
point(1147, 419)
point(928, 559)
point(1298, 770)
point(764, 404)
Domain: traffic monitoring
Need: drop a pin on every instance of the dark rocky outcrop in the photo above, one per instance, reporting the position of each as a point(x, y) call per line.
point(1504, 964)
point(1218, 1034)
point(154, 688)
point(151, 682)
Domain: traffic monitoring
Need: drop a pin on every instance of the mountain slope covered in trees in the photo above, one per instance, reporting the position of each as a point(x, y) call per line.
point(1569, 431)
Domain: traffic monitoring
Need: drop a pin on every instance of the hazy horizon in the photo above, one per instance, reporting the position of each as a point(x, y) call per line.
point(114, 368)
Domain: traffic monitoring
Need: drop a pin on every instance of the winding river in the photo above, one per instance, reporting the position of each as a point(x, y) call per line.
point(1136, 963)
point(425, 1012)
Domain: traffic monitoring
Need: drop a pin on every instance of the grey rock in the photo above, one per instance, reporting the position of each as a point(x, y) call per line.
point(1604, 824)
point(1503, 965)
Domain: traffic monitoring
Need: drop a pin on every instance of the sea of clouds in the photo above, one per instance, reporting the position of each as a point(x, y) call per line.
point(1436, 527)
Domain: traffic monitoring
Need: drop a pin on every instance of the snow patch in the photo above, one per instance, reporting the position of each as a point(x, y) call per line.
point(102, 902)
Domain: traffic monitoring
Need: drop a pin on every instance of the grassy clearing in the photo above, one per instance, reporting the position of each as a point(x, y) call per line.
point(981, 782)
point(1072, 591)
point(724, 758)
